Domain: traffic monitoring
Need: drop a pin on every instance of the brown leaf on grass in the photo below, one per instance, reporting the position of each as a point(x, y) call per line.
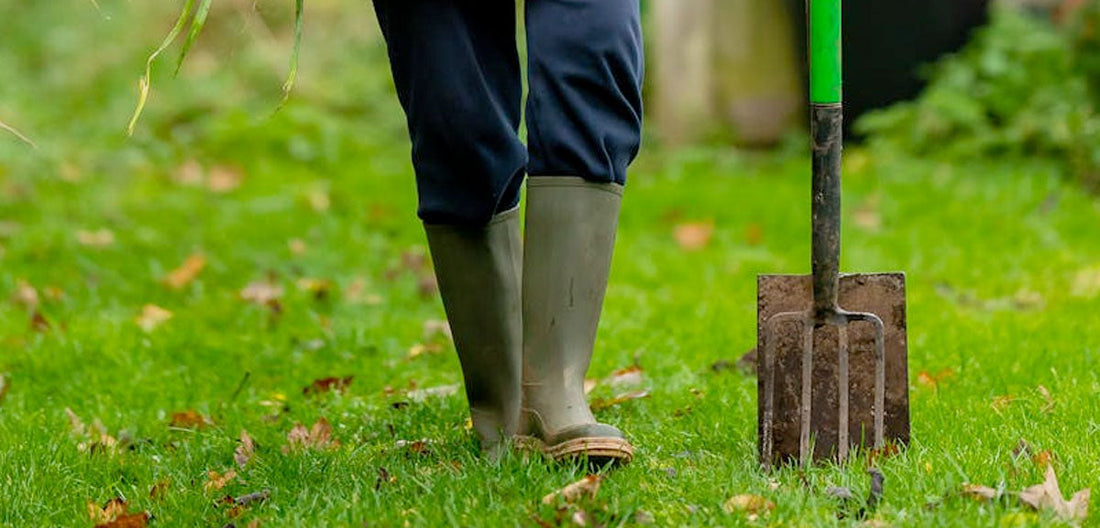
point(319, 200)
point(223, 179)
point(979, 493)
point(5, 385)
point(585, 487)
point(1048, 496)
point(114, 514)
point(189, 174)
point(242, 455)
point(99, 238)
point(318, 437)
point(1001, 403)
point(888, 450)
point(415, 447)
point(421, 349)
point(1043, 458)
point(427, 286)
point(151, 317)
point(25, 296)
point(754, 234)
point(694, 236)
point(933, 380)
point(600, 403)
point(131, 520)
point(190, 419)
point(441, 391)
point(752, 505)
point(180, 277)
point(435, 329)
point(330, 384)
point(262, 292)
point(296, 246)
point(108, 512)
point(160, 489)
point(1086, 283)
point(631, 376)
point(356, 293)
point(318, 288)
point(216, 481)
point(39, 323)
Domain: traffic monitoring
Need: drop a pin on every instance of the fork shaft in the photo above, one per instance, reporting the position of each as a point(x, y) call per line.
point(827, 131)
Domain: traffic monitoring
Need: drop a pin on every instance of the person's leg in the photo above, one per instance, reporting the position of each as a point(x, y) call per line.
point(584, 128)
point(456, 70)
point(457, 75)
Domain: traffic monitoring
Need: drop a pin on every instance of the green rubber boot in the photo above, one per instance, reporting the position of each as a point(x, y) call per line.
point(478, 269)
point(571, 226)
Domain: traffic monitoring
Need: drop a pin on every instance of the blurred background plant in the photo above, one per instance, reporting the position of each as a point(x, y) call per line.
point(724, 72)
point(1026, 86)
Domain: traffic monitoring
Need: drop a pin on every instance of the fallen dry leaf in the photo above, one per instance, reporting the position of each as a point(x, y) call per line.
point(1086, 283)
point(39, 323)
point(25, 295)
point(435, 328)
point(1048, 496)
point(296, 246)
point(441, 391)
point(694, 236)
point(216, 481)
point(108, 512)
point(190, 419)
point(132, 520)
point(751, 505)
point(420, 349)
point(5, 385)
point(223, 179)
point(318, 437)
point(242, 455)
point(189, 174)
point(590, 384)
point(114, 514)
point(319, 200)
point(585, 487)
point(1043, 458)
point(187, 272)
point(979, 493)
point(600, 403)
point(329, 384)
point(631, 376)
point(1000, 403)
point(262, 292)
point(318, 288)
point(754, 234)
point(151, 317)
point(933, 380)
point(160, 489)
point(100, 238)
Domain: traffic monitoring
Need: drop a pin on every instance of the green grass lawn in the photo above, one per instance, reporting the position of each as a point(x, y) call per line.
point(316, 204)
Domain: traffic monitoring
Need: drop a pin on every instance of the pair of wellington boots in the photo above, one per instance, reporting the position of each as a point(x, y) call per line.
point(524, 316)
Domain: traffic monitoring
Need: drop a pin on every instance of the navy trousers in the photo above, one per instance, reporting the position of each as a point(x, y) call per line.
point(458, 77)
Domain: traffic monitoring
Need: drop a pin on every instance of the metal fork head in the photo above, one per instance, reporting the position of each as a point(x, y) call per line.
point(809, 320)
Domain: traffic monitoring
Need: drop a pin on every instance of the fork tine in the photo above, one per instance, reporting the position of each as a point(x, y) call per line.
point(807, 391)
point(842, 392)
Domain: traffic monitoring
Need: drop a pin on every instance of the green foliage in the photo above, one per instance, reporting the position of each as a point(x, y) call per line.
point(1023, 88)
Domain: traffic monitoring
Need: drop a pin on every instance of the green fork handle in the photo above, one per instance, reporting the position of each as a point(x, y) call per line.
point(825, 51)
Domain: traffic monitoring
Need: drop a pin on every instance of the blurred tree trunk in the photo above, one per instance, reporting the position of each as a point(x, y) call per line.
point(725, 68)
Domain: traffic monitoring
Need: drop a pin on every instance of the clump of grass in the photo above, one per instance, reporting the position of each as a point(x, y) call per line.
point(195, 16)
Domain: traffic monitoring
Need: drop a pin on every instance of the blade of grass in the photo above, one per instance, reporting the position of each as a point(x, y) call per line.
point(17, 134)
point(196, 27)
point(143, 83)
point(292, 75)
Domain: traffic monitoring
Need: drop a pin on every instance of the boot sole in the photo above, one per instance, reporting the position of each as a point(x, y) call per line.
point(599, 451)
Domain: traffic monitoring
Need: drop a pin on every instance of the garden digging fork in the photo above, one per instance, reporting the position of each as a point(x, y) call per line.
point(829, 379)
